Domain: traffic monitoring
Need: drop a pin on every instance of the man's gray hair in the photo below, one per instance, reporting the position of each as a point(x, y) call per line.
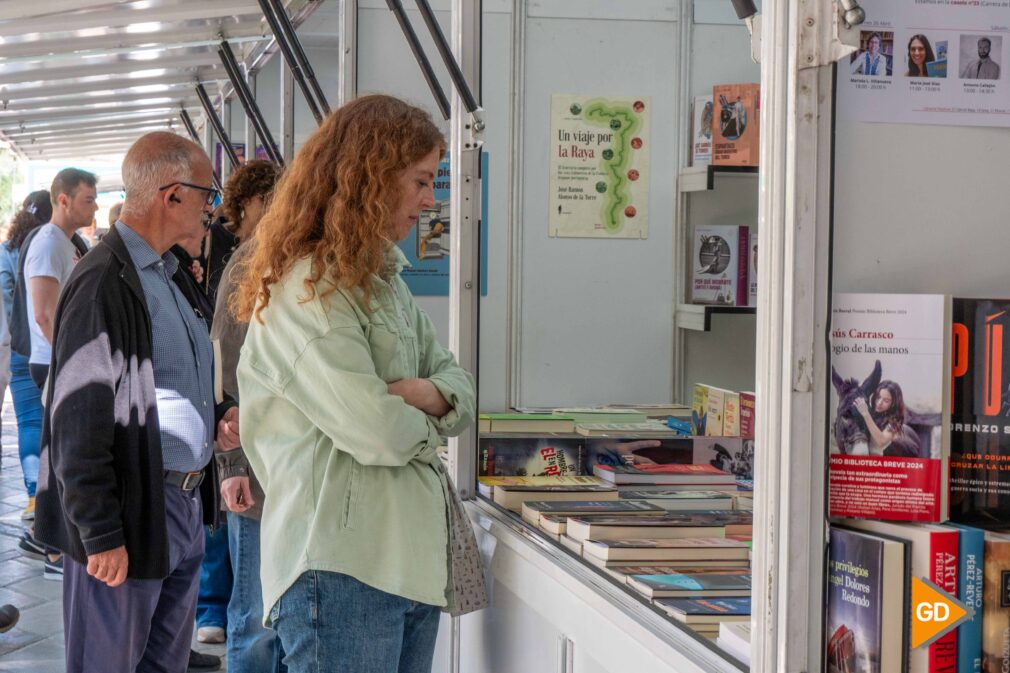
point(157, 159)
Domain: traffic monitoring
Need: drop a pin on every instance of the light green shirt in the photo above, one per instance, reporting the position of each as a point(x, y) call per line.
point(351, 476)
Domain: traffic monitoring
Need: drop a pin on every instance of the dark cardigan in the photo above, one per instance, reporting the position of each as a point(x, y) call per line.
point(101, 481)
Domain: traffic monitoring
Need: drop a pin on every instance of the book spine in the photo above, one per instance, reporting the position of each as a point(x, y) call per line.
point(731, 415)
point(747, 402)
point(699, 411)
point(716, 403)
point(969, 591)
point(752, 277)
point(944, 556)
point(742, 292)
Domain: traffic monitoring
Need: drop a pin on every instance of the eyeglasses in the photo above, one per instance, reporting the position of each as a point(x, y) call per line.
point(212, 193)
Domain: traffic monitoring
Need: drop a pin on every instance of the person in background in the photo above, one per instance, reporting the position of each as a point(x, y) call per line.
point(355, 531)
point(871, 62)
point(184, 252)
point(919, 54)
point(89, 233)
point(982, 67)
point(49, 256)
point(121, 495)
point(36, 210)
point(251, 647)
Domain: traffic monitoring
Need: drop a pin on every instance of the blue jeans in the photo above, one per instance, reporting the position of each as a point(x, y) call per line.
point(28, 410)
point(332, 623)
point(215, 579)
point(251, 648)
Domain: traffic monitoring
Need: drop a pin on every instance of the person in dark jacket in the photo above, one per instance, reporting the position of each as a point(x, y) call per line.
point(129, 425)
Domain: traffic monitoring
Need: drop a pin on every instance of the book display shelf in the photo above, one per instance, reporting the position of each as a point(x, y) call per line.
point(575, 320)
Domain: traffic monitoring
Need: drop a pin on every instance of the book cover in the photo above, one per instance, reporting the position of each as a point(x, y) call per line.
point(601, 415)
point(682, 500)
point(531, 456)
point(731, 414)
point(729, 583)
point(665, 550)
point(706, 610)
point(663, 474)
point(866, 598)
point(716, 412)
point(996, 604)
point(532, 509)
point(980, 414)
point(734, 455)
point(971, 545)
point(736, 129)
point(752, 270)
point(889, 409)
point(651, 428)
point(699, 408)
point(747, 411)
point(701, 130)
point(719, 265)
point(934, 555)
point(518, 422)
point(571, 480)
point(656, 528)
point(513, 497)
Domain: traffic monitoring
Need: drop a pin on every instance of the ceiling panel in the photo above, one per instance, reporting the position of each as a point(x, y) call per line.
point(92, 76)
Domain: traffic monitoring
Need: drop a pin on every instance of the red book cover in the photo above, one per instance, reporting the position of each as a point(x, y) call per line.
point(747, 402)
point(944, 550)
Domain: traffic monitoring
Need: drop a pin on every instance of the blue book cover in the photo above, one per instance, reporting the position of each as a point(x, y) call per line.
point(969, 591)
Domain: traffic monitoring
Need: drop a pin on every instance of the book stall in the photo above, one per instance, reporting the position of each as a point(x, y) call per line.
point(689, 456)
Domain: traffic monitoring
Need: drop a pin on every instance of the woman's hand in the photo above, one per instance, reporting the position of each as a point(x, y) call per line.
point(421, 394)
point(862, 407)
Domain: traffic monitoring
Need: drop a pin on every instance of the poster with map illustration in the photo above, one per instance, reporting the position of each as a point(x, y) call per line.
point(599, 149)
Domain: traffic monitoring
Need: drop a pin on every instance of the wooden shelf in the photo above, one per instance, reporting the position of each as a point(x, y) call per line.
point(702, 178)
point(699, 316)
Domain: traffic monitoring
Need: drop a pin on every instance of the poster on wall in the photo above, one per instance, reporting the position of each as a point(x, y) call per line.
point(929, 62)
point(427, 246)
point(599, 171)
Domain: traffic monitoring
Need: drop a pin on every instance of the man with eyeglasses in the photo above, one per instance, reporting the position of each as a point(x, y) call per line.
point(127, 473)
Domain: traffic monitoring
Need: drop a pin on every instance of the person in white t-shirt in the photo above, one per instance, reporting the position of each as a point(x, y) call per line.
point(51, 257)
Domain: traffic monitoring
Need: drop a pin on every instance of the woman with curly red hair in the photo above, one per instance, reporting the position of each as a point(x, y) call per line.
point(345, 393)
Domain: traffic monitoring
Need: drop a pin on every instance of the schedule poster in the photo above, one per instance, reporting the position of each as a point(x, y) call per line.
point(599, 170)
point(929, 62)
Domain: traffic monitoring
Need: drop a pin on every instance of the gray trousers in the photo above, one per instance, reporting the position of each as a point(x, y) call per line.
point(141, 626)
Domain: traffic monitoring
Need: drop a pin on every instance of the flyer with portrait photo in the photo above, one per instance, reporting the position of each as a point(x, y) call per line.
point(928, 62)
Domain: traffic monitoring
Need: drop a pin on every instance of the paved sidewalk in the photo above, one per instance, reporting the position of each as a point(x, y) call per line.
point(35, 645)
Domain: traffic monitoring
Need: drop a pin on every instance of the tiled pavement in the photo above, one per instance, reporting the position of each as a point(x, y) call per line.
point(35, 645)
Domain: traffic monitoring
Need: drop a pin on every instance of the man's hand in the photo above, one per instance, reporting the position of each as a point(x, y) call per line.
point(421, 394)
point(109, 566)
point(196, 271)
point(227, 431)
point(237, 494)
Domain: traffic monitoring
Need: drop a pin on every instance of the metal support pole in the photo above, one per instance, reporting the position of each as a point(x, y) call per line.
point(464, 230)
point(248, 103)
point(347, 62)
point(296, 47)
point(187, 121)
point(455, 73)
point(250, 127)
point(226, 168)
point(793, 318)
point(289, 57)
point(214, 121)
point(287, 114)
point(415, 47)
